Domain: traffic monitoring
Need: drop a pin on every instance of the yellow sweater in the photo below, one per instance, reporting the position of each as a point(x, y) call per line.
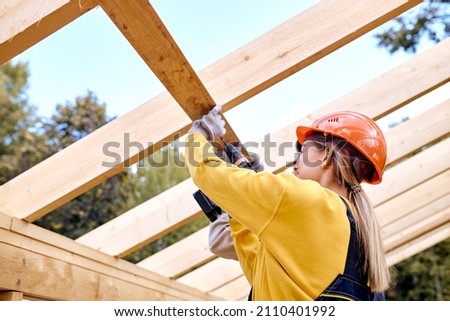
point(291, 235)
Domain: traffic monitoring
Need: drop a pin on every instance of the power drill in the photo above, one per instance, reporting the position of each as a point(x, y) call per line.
point(212, 210)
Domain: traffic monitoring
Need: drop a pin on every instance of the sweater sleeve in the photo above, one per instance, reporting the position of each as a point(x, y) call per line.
point(220, 241)
point(251, 198)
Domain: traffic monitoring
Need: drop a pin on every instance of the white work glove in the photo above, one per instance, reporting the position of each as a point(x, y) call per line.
point(211, 125)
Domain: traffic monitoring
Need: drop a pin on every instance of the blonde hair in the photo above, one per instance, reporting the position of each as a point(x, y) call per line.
point(350, 166)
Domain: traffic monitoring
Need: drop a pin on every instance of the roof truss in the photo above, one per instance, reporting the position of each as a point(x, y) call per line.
point(413, 210)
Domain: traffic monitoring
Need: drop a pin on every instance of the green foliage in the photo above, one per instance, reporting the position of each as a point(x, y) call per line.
point(158, 173)
point(102, 203)
point(20, 145)
point(431, 19)
point(424, 277)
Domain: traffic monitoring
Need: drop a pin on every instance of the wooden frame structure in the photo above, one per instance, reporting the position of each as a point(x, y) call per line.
point(412, 203)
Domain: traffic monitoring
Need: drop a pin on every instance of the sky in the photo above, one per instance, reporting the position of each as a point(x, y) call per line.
point(91, 54)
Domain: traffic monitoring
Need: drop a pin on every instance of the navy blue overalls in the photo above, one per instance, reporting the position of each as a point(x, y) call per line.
point(352, 285)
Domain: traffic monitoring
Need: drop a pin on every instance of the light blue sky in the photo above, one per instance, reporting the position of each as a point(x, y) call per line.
point(91, 54)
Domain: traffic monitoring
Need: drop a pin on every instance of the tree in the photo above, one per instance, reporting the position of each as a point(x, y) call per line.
point(21, 145)
point(425, 276)
point(431, 19)
point(70, 123)
point(159, 172)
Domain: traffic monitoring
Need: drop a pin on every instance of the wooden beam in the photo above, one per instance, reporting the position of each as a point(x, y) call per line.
point(294, 45)
point(433, 189)
point(125, 233)
point(398, 179)
point(236, 290)
point(418, 244)
point(181, 257)
point(26, 22)
point(144, 30)
point(144, 223)
point(409, 233)
point(213, 275)
point(391, 230)
point(232, 80)
point(418, 131)
point(43, 264)
point(11, 296)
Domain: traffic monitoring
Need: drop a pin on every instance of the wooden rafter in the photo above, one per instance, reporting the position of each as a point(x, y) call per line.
point(257, 65)
point(26, 22)
point(419, 244)
point(118, 237)
point(413, 209)
point(144, 30)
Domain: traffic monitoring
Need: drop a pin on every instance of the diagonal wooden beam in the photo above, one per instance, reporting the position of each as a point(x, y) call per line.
point(236, 290)
point(393, 231)
point(412, 72)
point(233, 79)
point(132, 230)
point(411, 231)
point(24, 23)
point(398, 179)
point(211, 276)
point(181, 257)
point(418, 196)
point(144, 30)
point(418, 244)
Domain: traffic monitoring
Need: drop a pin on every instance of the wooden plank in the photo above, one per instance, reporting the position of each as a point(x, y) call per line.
point(11, 296)
point(377, 98)
point(298, 42)
point(211, 276)
point(42, 277)
point(144, 223)
point(433, 221)
point(125, 233)
point(232, 80)
point(418, 131)
point(419, 196)
point(46, 244)
point(236, 290)
point(398, 179)
point(26, 22)
point(5, 221)
point(396, 227)
point(144, 30)
point(419, 244)
point(181, 257)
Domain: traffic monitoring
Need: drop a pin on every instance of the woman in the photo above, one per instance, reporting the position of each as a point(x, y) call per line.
point(307, 236)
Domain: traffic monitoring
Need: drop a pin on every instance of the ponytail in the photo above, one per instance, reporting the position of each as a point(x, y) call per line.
point(345, 157)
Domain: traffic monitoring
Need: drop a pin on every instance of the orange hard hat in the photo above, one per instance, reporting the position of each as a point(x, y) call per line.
point(357, 129)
